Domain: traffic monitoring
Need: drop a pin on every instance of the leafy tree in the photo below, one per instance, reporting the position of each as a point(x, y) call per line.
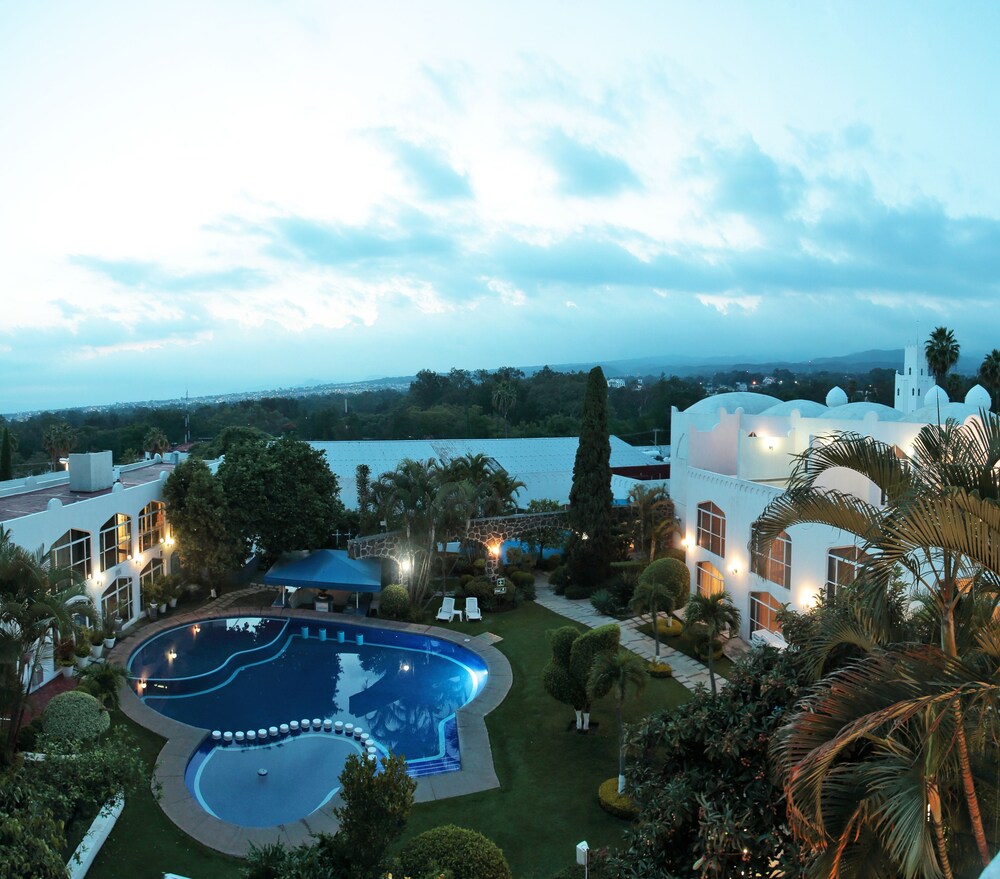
point(573, 654)
point(989, 373)
point(590, 541)
point(703, 780)
point(31, 837)
point(941, 351)
point(199, 519)
point(663, 586)
point(544, 536)
point(616, 674)
point(6, 457)
point(103, 681)
point(59, 440)
point(504, 398)
point(280, 495)
point(366, 514)
point(713, 614)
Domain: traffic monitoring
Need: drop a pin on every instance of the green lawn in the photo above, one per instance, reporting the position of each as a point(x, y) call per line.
point(549, 776)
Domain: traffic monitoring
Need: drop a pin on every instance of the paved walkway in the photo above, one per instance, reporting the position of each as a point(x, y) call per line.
point(687, 671)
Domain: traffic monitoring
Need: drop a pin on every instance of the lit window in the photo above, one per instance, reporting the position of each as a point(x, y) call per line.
point(764, 609)
point(710, 580)
point(712, 528)
point(116, 541)
point(843, 566)
point(151, 573)
point(152, 525)
point(776, 565)
point(72, 551)
point(117, 600)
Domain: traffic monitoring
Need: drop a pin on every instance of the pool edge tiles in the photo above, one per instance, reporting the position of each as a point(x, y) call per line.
point(476, 774)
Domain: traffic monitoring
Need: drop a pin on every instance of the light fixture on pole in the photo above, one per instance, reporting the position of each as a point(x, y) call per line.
point(583, 857)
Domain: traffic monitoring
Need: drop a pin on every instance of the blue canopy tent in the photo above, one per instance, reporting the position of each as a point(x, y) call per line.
point(326, 569)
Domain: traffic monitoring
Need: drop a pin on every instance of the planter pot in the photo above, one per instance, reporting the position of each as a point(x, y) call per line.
point(109, 643)
point(586, 720)
point(163, 608)
point(173, 602)
point(97, 650)
point(579, 720)
point(67, 670)
point(82, 662)
point(151, 611)
point(119, 622)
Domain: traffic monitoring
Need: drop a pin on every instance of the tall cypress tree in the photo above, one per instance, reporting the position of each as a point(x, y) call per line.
point(6, 457)
point(590, 543)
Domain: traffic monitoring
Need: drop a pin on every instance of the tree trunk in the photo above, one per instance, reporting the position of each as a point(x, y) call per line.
point(711, 659)
point(621, 750)
point(579, 718)
point(934, 804)
point(656, 634)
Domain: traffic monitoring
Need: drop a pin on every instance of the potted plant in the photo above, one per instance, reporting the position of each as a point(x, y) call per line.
point(171, 589)
point(96, 637)
point(66, 657)
point(110, 631)
point(151, 598)
point(82, 652)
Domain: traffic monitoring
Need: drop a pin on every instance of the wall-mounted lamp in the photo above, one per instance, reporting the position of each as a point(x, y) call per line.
point(734, 570)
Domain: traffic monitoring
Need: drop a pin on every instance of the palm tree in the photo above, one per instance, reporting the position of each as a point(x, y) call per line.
point(716, 613)
point(58, 440)
point(940, 523)
point(989, 373)
point(155, 441)
point(941, 351)
point(617, 673)
point(34, 602)
point(103, 681)
point(654, 518)
point(504, 398)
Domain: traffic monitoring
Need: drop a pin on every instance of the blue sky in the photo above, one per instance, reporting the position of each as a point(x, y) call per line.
point(229, 196)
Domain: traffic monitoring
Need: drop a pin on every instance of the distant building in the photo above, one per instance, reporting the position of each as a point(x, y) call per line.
point(913, 383)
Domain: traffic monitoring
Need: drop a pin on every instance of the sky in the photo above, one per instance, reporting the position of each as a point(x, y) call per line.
point(210, 198)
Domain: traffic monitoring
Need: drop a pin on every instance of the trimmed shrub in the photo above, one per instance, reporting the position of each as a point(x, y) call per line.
point(700, 639)
point(522, 580)
point(671, 575)
point(465, 578)
point(515, 557)
point(670, 628)
point(558, 579)
point(676, 552)
point(75, 715)
point(659, 670)
point(604, 602)
point(394, 602)
point(27, 735)
point(576, 591)
point(479, 566)
point(456, 851)
point(553, 561)
point(615, 803)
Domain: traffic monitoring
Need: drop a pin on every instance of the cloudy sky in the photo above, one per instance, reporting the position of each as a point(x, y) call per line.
point(228, 196)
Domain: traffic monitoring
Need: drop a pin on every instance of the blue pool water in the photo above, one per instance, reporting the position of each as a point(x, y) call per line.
point(248, 673)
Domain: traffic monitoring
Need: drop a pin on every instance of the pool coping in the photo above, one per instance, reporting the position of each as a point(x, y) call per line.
point(477, 772)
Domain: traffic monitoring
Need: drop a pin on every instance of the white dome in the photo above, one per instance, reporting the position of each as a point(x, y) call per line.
point(979, 397)
point(836, 397)
point(752, 404)
point(806, 408)
point(857, 411)
point(934, 396)
point(940, 414)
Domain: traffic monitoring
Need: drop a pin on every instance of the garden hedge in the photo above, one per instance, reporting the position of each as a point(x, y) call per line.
point(75, 715)
point(455, 851)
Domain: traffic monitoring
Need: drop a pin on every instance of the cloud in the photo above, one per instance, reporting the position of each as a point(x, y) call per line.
point(155, 278)
point(745, 180)
point(95, 352)
point(723, 304)
point(588, 172)
point(430, 171)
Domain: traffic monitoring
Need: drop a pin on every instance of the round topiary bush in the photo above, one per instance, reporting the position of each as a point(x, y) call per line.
point(463, 853)
point(659, 670)
point(615, 803)
point(394, 602)
point(558, 579)
point(523, 580)
point(670, 628)
point(75, 715)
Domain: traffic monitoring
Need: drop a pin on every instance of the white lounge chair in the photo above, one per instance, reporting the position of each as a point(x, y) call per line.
point(447, 611)
point(472, 611)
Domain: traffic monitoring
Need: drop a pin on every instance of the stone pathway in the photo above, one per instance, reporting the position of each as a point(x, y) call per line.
point(687, 671)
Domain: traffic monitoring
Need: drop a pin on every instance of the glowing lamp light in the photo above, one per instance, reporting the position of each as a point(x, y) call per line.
point(171, 654)
point(686, 542)
point(142, 685)
point(196, 628)
point(495, 549)
point(405, 666)
point(734, 570)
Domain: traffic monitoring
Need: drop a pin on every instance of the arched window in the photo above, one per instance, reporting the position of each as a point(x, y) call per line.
point(710, 580)
point(152, 525)
point(843, 566)
point(117, 600)
point(764, 609)
point(116, 541)
point(151, 573)
point(72, 551)
point(712, 528)
point(776, 565)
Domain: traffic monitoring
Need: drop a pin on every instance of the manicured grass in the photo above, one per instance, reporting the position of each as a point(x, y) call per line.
point(145, 843)
point(683, 643)
point(549, 774)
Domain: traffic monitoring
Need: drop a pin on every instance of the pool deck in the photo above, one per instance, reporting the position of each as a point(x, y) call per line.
point(477, 772)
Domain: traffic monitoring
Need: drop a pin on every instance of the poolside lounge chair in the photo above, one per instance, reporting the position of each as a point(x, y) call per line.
point(472, 611)
point(447, 611)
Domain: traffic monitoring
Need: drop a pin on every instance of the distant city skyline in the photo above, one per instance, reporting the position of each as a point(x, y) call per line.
point(243, 196)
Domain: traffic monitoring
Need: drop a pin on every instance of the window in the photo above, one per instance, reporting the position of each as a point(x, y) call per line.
point(72, 551)
point(776, 566)
point(116, 541)
point(152, 523)
point(151, 573)
point(712, 528)
point(843, 566)
point(909, 371)
point(764, 609)
point(710, 581)
point(117, 600)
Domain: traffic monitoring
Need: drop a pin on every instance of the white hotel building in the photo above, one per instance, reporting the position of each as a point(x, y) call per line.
point(731, 455)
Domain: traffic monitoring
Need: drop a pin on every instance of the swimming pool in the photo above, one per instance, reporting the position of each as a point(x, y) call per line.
point(245, 675)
